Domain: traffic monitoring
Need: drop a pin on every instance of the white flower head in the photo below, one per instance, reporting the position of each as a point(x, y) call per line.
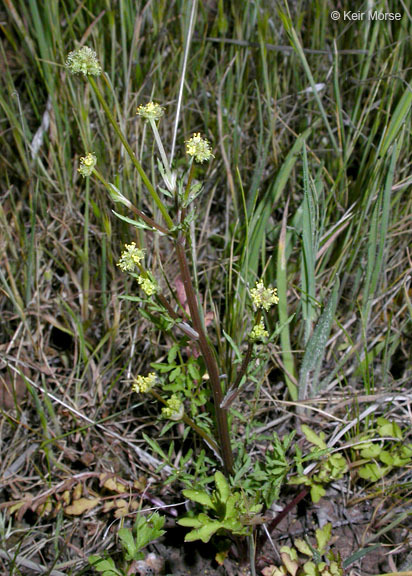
point(83, 61)
point(150, 111)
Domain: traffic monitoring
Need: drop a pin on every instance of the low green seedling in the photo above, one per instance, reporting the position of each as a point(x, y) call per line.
point(377, 459)
point(145, 531)
point(228, 511)
point(331, 467)
point(308, 559)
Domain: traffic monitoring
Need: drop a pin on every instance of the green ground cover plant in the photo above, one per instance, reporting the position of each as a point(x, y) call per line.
point(205, 289)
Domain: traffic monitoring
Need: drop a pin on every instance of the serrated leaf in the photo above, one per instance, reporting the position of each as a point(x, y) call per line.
point(390, 429)
point(104, 565)
point(127, 540)
point(303, 547)
point(231, 510)
point(387, 458)
point(289, 559)
point(309, 569)
point(371, 451)
point(204, 533)
point(200, 497)
point(372, 472)
point(317, 492)
point(193, 371)
point(189, 522)
point(171, 357)
point(313, 438)
point(323, 536)
point(222, 486)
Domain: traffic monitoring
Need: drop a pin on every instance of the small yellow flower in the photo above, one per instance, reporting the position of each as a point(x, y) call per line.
point(83, 61)
point(130, 257)
point(143, 384)
point(147, 285)
point(258, 332)
point(199, 148)
point(87, 163)
point(174, 409)
point(151, 111)
point(263, 297)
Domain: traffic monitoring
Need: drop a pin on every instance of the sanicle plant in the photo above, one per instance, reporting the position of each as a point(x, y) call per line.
point(174, 204)
point(199, 376)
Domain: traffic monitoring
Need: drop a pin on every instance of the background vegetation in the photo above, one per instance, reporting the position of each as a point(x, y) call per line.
point(311, 129)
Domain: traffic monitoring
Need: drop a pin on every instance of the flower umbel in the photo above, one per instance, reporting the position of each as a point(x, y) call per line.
point(150, 111)
point(148, 286)
point(199, 148)
point(143, 384)
point(130, 257)
point(83, 61)
point(174, 409)
point(263, 297)
point(87, 163)
point(258, 332)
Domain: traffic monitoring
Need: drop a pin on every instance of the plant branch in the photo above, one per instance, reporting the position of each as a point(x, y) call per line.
point(131, 154)
point(202, 433)
point(129, 205)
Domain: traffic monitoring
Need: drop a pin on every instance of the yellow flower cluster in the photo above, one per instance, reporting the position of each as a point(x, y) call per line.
point(150, 111)
point(83, 61)
point(87, 164)
point(174, 409)
point(148, 286)
point(264, 297)
point(199, 148)
point(143, 384)
point(258, 332)
point(130, 257)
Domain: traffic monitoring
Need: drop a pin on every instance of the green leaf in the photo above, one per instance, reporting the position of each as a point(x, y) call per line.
point(310, 569)
point(204, 533)
point(104, 565)
point(200, 497)
point(127, 540)
point(372, 472)
point(323, 536)
point(172, 354)
point(390, 429)
point(317, 492)
point(193, 371)
point(316, 347)
point(303, 547)
point(313, 438)
point(371, 451)
point(231, 510)
point(189, 522)
point(222, 486)
point(135, 223)
point(387, 458)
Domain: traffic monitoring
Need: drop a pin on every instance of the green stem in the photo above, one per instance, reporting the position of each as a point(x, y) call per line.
point(202, 433)
point(86, 272)
point(136, 211)
point(170, 184)
point(234, 389)
point(189, 181)
point(131, 154)
point(209, 358)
